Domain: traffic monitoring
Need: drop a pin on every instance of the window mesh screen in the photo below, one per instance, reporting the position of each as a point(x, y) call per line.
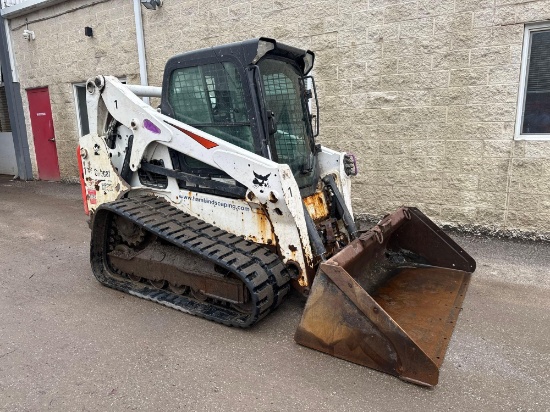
point(284, 96)
point(211, 98)
point(539, 63)
point(5, 125)
point(188, 96)
point(536, 115)
point(284, 100)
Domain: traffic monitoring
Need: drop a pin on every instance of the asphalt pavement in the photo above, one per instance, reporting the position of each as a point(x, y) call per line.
point(69, 344)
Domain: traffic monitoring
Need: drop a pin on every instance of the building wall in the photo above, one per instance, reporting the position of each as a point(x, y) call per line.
point(62, 55)
point(423, 92)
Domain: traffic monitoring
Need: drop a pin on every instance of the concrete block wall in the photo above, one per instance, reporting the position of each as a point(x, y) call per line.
point(423, 92)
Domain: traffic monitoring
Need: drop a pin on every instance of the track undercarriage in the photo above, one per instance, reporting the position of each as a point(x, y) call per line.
point(148, 248)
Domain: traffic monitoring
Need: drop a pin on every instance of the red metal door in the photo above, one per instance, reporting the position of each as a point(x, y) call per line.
point(44, 136)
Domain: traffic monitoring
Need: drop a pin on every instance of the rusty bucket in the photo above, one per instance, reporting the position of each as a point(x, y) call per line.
point(390, 299)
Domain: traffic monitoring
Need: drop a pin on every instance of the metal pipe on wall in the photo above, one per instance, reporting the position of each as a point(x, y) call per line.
point(141, 47)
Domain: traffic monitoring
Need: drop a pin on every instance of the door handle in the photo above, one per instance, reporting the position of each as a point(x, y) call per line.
point(52, 139)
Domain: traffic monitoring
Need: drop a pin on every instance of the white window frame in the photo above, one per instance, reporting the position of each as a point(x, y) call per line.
point(529, 28)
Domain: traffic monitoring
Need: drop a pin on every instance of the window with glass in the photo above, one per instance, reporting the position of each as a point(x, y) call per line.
point(284, 96)
point(5, 125)
point(211, 98)
point(534, 95)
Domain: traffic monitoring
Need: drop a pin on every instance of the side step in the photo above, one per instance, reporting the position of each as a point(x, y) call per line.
point(261, 270)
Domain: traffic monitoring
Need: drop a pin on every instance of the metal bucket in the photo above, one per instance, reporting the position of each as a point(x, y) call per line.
point(390, 299)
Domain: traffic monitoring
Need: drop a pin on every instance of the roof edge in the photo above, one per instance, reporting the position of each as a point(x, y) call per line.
point(27, 7)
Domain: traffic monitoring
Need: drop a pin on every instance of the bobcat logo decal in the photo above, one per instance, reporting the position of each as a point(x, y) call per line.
point(260, 181)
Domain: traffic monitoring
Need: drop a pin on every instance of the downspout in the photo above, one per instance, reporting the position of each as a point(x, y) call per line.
point(141, 47)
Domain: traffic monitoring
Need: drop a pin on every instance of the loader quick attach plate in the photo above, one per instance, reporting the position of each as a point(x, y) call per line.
point(390, 299)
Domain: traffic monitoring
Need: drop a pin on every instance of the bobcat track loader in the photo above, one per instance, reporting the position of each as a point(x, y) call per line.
point(221, 201)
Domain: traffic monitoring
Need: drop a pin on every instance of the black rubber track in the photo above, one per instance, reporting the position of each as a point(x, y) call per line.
point(261, 270)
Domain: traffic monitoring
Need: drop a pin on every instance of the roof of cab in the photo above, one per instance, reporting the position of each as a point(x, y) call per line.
point(245, 51)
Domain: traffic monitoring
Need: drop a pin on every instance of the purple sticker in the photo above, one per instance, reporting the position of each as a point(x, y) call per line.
point(351, 161)
point(149, 125)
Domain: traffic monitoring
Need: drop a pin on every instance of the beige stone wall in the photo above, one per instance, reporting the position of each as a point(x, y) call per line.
point(423, 92)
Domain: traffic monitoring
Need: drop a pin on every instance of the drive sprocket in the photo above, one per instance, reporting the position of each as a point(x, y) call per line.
point(130, 233)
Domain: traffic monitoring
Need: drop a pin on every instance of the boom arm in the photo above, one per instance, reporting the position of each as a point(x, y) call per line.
point(268, 184)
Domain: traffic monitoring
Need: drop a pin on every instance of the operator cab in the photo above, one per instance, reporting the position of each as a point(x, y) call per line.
point(253, 94)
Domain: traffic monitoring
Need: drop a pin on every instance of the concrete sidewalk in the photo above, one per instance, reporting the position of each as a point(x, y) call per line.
point(67, 343)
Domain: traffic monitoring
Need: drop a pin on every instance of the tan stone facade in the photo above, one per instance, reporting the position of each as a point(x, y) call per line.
point(423, 92)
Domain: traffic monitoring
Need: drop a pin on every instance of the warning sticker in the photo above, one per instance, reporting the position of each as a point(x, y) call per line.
point(92, 196)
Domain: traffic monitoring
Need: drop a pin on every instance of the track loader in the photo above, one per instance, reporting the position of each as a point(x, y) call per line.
point(221, 201)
